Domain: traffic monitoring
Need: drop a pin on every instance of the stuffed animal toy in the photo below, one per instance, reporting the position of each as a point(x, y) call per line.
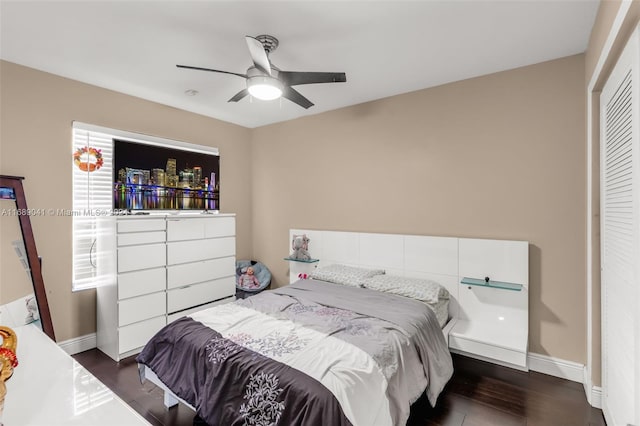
point(32, 310)
point(248, 279)
point(300, 246)
point(303, 276)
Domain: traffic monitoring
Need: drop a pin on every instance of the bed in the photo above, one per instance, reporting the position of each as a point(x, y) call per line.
point(352, 350)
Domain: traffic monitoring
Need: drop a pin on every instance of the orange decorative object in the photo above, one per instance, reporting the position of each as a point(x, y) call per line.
point(8, 359)
point(88, 159)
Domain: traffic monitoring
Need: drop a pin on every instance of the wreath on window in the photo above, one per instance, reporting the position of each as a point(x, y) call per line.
point(88, 159)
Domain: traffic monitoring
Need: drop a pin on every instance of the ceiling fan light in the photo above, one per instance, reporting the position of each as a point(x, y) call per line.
point(264, 88)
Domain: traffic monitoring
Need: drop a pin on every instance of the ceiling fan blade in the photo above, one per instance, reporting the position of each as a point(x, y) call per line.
point(212, 70)
point(241, 94)
point(294, 96)
point(293, 78)
point(258, 54)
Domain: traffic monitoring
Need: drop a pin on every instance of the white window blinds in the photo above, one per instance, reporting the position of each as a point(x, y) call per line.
point(92, 198)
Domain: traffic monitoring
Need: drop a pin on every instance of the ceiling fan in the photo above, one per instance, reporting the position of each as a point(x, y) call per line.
point(266, 81)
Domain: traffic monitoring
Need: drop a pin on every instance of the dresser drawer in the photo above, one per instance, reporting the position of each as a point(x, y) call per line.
point(192, 251)
point(141, 308)
point(220, 227)
point(140, 225)
point(148, 256)
point(198, 294)
point(137, 335)
point(137, 283)
point(197, 272)
point(185, 229)
point(198, 228)
point(134, 238)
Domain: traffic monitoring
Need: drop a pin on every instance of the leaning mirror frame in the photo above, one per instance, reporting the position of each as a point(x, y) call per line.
point(15, 183)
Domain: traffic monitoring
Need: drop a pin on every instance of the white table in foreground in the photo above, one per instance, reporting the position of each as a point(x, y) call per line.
point(51, 388)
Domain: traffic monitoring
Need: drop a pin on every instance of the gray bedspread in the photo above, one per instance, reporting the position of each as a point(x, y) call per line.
point(402, 335)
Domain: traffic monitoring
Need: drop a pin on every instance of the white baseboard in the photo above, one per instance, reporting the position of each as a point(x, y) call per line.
point(79, 344)
point(568, 370)
point(556, 367)
point(594, 393)
point(596, 397)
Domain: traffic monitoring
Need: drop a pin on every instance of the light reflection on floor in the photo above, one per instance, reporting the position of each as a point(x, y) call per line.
point(88, 392)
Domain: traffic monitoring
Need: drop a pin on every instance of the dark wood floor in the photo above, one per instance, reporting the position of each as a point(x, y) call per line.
point(479, 394)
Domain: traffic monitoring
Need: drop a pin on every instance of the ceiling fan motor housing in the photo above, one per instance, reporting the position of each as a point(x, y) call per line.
point(270, 43)
point(253, 71)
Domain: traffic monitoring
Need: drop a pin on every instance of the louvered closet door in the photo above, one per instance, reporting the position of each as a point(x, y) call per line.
point(620, 250)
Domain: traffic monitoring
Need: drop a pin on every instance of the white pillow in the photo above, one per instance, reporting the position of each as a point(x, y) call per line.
point(343, 274)
point(426, 291)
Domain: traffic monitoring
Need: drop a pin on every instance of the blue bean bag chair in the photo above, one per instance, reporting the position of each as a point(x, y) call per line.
point(259, 270)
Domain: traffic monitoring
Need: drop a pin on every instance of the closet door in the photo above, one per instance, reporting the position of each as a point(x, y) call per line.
point(620, 233)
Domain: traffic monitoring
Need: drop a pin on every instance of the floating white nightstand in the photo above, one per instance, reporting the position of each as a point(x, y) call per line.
point(493, 322)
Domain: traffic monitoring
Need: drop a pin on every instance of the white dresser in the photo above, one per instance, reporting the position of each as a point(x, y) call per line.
point(154, 269)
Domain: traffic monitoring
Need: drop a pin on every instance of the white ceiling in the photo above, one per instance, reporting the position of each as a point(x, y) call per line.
point(385, 47)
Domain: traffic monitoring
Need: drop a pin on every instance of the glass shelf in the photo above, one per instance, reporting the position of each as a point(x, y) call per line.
point(302, 260)
point(492, 284)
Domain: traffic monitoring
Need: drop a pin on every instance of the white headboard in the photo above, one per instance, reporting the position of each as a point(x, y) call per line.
point(445, 260)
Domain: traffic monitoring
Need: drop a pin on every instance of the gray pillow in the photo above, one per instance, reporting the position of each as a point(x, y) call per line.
point(424, 290)
point(343, 274)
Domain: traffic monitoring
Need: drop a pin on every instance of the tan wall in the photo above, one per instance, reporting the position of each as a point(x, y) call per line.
point(499, 156)
point(36, 112)
point(607, 13)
